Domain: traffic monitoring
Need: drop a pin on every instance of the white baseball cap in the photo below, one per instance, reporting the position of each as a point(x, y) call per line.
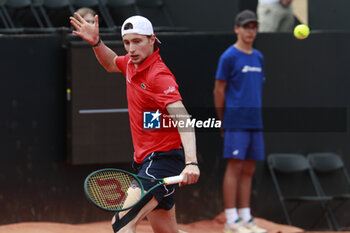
point(139, 25)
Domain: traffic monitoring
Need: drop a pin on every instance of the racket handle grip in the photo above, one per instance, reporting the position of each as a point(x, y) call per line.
point(173, 179)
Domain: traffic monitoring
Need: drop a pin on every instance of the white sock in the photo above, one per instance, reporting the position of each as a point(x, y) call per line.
point(244, 214)
point(231, 215)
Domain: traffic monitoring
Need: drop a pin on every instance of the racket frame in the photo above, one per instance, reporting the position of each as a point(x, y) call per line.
point(164, 181)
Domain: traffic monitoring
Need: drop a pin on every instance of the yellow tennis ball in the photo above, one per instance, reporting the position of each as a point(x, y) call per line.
point(301, 31)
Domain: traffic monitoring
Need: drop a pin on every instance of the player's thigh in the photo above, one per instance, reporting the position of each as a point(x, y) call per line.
point(163, 221)
point(236, 143)
point(248, 167)
point(234, 165)
point(256, 149)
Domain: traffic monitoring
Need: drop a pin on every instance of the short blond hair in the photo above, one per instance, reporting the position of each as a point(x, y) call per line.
point(85, 10)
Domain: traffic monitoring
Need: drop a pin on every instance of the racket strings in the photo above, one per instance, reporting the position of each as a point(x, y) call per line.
point(109, 189)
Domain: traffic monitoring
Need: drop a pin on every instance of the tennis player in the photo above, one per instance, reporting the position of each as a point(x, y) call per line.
point(150, 84)
point(237, 97)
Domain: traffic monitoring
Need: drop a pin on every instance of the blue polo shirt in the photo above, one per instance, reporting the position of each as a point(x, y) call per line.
point(245, 76)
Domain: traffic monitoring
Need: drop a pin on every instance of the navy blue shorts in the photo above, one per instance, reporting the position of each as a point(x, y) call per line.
point(160, 165)
point(244, 144)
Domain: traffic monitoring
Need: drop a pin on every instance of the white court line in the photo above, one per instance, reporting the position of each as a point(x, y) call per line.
point(92, 111)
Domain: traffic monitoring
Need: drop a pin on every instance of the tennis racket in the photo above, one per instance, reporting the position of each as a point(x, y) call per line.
point(117, 190)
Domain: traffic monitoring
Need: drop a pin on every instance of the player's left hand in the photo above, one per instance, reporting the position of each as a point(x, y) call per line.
point(191, 175)
point(89, 32)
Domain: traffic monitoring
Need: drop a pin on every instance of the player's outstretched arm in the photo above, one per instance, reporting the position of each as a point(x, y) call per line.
point(90, 33)
point(191, 172)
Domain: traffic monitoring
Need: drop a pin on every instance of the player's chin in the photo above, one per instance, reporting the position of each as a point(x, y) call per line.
point(137, 60)
point(249, 39)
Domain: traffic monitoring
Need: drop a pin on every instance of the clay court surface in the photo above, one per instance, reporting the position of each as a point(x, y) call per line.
point(215, 225)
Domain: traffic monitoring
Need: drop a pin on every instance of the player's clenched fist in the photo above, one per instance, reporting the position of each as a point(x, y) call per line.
point(191, 174)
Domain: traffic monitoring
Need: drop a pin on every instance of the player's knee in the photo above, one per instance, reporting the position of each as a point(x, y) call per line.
point(235, 165)
point(248, 169)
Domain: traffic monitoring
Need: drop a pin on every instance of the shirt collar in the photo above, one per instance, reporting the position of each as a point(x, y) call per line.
point(148, 61)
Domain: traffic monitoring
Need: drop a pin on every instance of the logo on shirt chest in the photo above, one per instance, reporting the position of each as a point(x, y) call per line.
point(143, 85)
point(246, 69)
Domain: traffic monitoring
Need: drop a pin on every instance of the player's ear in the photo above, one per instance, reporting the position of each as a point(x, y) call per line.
point(236, 27)
point(153, 39)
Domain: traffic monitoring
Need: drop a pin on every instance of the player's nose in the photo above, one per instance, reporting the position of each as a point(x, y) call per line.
point(132, 48)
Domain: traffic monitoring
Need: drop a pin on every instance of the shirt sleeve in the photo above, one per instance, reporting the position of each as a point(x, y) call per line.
point(165, 90)
point(224, 68)
point(122, 63)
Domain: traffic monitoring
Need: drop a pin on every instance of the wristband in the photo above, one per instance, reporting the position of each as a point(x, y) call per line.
point(98, 43)
point(191, 163)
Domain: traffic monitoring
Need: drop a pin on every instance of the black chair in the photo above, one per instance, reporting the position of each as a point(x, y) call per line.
point(39, 5)
point(58, 12)
point(4, 16)
point(291, 174)
point(3, 20)
point(332, 179)
point(6, 24)
point(120, 10)
point(156, 11)
point(159, 14)
point(105, 22)
point(19, 14)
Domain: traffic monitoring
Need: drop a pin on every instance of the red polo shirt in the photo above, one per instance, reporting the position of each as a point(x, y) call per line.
point(150, 86)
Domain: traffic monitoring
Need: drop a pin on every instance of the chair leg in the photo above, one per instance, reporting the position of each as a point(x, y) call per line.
point(167, 15)
point(36, 16)
point(325, 214)
point(46, 18)
point(291, 211)
point(331, 220)
point(7, 16)
point(71, 9)
point(334, 220)
point(2, 17)
point(106, 16)
point(286, 214)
